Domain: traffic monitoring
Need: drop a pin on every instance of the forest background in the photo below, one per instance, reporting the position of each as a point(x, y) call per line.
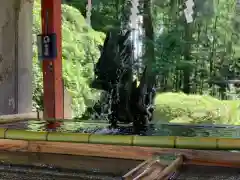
point(197, 64)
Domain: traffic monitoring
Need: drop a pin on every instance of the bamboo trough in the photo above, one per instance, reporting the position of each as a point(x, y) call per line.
point(33, 148)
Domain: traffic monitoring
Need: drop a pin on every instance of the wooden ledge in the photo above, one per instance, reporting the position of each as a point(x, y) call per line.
point(203, 157)
point(10, 118)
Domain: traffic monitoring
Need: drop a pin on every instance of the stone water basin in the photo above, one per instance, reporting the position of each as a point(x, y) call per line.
point(153, 130)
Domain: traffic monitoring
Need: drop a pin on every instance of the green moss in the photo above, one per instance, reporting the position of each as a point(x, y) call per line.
point(182, 108)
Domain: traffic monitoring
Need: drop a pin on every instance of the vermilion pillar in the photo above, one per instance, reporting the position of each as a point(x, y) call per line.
point(52, 68)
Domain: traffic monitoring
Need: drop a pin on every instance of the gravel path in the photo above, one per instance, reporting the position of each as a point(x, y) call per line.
point(21, 176)
point(23, 173)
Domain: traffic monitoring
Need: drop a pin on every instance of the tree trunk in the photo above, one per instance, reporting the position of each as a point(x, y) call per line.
point(149, 55)
point(187, 57)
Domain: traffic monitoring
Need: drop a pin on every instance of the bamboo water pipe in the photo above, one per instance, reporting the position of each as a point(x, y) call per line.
point(205, 143)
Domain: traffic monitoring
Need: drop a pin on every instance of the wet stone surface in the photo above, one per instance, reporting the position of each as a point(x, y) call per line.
point(21, 176)
point(192, 172)
point(31, 173)
point(32, 176)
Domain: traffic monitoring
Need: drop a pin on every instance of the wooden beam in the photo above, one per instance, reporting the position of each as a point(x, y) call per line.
point(212, 163)
point(18, 117)
point(221, 158)
point(52, 68)
point(81, 163)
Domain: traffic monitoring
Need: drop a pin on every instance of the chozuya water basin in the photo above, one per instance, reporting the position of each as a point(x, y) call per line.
point(95, 154)
point(153, 130)
point(43, 166)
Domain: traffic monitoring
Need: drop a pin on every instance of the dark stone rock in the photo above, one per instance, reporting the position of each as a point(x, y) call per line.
point(123, 101)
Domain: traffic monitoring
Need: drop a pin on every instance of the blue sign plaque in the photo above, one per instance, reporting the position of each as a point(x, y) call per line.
point(47, 46)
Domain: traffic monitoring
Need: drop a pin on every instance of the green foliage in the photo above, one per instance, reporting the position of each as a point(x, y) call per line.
point(79, 54)
point(195, 109)
point(105, 14)
point(37, 72)
point(203, 52)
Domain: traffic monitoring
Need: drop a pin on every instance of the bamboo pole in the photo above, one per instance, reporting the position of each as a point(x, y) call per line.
point(221, 158)
point(151, 171)
point(154, 169)
point(170, 169)
point(20, 117)
point(204, 143)
point(136, 170)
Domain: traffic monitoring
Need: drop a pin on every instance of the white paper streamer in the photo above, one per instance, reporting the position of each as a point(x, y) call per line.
point(188, 12)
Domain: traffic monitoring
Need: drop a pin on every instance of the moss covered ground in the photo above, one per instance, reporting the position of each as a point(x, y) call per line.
point(195, 109)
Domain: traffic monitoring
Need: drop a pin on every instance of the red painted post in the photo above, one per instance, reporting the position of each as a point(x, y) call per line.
point(52, 69)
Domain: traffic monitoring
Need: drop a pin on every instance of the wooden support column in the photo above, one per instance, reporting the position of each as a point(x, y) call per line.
point(52, 68)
